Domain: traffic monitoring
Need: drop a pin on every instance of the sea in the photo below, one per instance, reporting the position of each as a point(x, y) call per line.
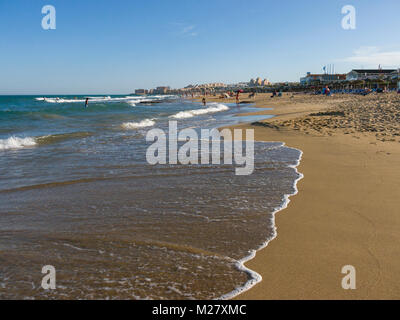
point(78, 194)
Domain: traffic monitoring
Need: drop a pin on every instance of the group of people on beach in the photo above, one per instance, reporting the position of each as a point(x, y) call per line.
point(276, 94)
point(204, 100)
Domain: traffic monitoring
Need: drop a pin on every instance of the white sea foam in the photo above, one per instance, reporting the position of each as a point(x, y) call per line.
point(16, 143)
point(136, 125)
point(105, 99)
point(217, 107)
point(254, 276)
point(63, 100)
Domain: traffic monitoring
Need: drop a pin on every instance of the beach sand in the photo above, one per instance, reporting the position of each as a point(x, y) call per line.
point(347, 211)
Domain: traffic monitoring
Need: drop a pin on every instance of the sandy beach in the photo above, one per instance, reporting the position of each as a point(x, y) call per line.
point(347, 208)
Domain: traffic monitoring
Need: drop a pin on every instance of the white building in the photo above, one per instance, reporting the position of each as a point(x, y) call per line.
point(369, 74)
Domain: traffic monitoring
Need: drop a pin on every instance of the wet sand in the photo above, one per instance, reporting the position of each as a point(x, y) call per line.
point(347, 211)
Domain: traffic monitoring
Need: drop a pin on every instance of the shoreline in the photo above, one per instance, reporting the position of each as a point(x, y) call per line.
point(241, 264)
point(335, 219)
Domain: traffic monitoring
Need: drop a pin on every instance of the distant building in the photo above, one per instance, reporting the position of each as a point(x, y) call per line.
point(310, 78)
point(212, 85)
point(141, 91)
point(369, 74)
point(395, 74)
point(206, 86)
point(266, 82)
point(161, 90)
point(258, 82)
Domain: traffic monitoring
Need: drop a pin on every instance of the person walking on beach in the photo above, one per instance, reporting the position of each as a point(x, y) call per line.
point(238, 97)
point(87, 102)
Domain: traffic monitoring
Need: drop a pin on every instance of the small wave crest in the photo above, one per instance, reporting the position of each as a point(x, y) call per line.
point(132, 100)
point(16, 143)
point(64, 100)
point(54, 138)
point(192, 113)
point(136, 125)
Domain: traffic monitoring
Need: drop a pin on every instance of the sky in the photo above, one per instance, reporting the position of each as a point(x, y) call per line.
point(115, 47)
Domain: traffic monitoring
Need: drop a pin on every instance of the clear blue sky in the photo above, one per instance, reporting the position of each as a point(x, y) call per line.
point(116, 46)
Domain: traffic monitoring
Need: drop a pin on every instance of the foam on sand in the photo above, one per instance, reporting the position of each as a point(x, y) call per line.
point(16, 143)
point(240, 264)
point(215, 107)
point(137, 125)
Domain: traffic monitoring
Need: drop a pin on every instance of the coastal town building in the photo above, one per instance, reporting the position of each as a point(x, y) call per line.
point(369, 74)
point(258, 82)
point(266, 82)
point(213, 85)
point(240, 84)
point(395, 74)
point(161, 90)
point(141, 91)
point(310, 78)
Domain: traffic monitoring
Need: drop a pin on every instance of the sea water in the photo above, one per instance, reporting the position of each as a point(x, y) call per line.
point(77, 193)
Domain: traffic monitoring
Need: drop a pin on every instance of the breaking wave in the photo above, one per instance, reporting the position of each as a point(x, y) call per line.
point(16, 143)
point(136, 125)
point(217, 107)
point(132, 100)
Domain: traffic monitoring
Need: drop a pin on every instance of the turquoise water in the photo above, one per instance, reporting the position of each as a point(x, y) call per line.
point(77, 193)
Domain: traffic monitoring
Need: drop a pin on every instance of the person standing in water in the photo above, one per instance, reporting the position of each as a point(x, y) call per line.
point(87, 102)
point(204, 102)
point(238, 97)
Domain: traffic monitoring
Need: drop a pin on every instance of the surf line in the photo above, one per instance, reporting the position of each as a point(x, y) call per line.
point(255, 277)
